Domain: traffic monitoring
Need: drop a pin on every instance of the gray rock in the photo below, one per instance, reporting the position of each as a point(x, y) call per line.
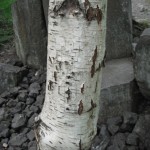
point(2, 114)
point(103, 131)
point(18, 108)
point(114, 121)
point(34, 89)
point(132, 139)
point(22, 96)
point(35, 109)
point(130, 118)
point(119, 29)
point(32, 148)
point(18, 121)
point(39, 100)
point(30, 32)
point(2, 101)
point(32, 120)
point(4, 125)
point(113, 147)
point(142, 64)
point(5, 133)
point(32, 144)
point(12, 103)
point(31, 135)
point(17, 140)
point(118, 89)
point(113, 129)
point(30, 101)
point(142, 130)
point(132, 148)
point(119, 140)
point(10, 76)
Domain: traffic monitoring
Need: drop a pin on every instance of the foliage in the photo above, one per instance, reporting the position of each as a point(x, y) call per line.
point(6, 30)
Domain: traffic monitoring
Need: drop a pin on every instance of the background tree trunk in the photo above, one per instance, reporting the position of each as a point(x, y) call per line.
point(76, 45)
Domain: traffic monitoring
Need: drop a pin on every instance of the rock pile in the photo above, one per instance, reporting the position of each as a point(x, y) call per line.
point(127, 132)
point(20, 105)
point(18, 108)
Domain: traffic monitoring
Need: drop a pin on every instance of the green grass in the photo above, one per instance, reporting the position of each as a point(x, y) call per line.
point(6, 29)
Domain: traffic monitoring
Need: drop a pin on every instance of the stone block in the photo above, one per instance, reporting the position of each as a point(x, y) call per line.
point(142, 63)
point(117, 89)
point(119, 29)
point(30, 32)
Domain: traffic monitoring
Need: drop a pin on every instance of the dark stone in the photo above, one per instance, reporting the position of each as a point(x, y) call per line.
point(5, 133)
point(30, 101)
point(32, 144)
point(39, 100)
point(17, 140)
point(132, 148)
point(142, 130)
point(22, 96)
point(119, 140)
point(35, 109)
point(119, 29)
point(142, 63)
point(114, 121)
point(12, 103)
point(18, 108)
point(18, 121)
point(113, 129)
point(10, 76)
point(132, 139)
point(32, 120)
point(103, 131)
point(2, 101)
point(4, 125)
point(2, 114)
point(31, 135)
point(130, 118)
point(129, 121)
point(25, 130)
point(113, 147)
point(34, 89)
point(30, 31)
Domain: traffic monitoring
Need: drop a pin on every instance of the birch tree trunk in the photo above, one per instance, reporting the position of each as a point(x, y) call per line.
point(76, 47)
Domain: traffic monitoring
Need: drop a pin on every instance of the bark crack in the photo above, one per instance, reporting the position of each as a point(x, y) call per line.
point(94, 60)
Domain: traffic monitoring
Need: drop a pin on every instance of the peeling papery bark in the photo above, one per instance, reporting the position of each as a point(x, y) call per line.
point(76, 47)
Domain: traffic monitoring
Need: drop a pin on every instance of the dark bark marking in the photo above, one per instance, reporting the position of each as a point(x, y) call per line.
point(55, 76)
point(80, 109)
point(93, 105)
point(82, 89)
point(86, 4)
point(55, 23)
point(95, 87)
point(80, 145)
point(68, 92)
point(50, 85)
point(50, 59)
point(104, 60)
point(67, 7)
point(98, 15)
point(67, 109)
point(94, 60)
point(92, 13)
point(60, 64)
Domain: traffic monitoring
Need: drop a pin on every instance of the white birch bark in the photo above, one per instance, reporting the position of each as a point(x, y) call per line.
point(76, 47)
